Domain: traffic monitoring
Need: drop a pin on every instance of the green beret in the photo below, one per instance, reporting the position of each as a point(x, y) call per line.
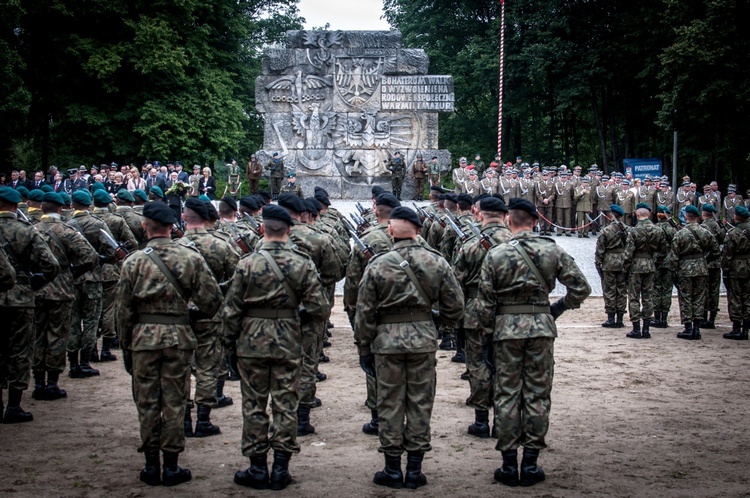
point(46, 188)
point(643, 205)
point(202, 197)
point(615, 208)
point(664, 209)
point(404, 213)
point(65, 197)
point(742, 212)
point(54, 197)
point(97, 186)
point(273, 212)
point(709, 208)
point(36, 195)
point(102, 197)
point(141, 194)
point(692, 210)
point(81, 197)
point(200, 208)
point(160, 212)
point(23, 191)
point(125, 195)
point(10, 195)
point(156, 191)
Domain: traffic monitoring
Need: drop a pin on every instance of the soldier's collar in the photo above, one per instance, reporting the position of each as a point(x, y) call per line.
point(159, 241)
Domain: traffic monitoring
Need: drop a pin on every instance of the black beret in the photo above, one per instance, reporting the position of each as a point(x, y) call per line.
point(265, 195)
point(231, 202)
point(387, 199)
point(465, 198)
point(499, 196)
point(322, 198)
point(321, 190)
point(437, 188)
point(272, 212)
point(213, 214)
point(158, 211)
point(377, 190)
point(250, 203)
point(442, 197)
point(523, 205)
point(316, 203)
point(492, 204)
point(198, 206)
point(292, 202)
point(312, 206)
point(404, 213)
point(451, 197)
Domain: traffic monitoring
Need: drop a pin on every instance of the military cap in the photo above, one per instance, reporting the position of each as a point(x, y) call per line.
point(434, 157)
point(601, 173)
point(316, 204)
point(692, 210)
point(10, 195)
point(125, 195)
point(292, 175)
point(709, 208)
point(322, 198)
point(643, 205)
point(617, 174)
point(46, 188)
point(437, 188)
point(732, 188)
point(472, 169)
point(157, 163)
point(742, 212)
point(442, 197)
point(564, 173)
point(387, 199)
point(159, 212)
point(615, 208)
point(376, 191)
point(178, 163)
point(320, 190)
point(141, 194)
point(404, 213)
point(545, 172)
point(664, 184)
point(626, 182)
point(577, 168)
point(230, 201)
point(585, 179)
point(275, 154)
point(65, 197)
point(451, 197)
point(465, 198)
point(648, 178)
point(686, 184)
point(706, 187)
point(54, 198)
point(490, 203)
point(94, 167)
point(397, 152)
point(498, 195)
point(198, 206)
point(23, 191)
point(81, 197)
point(156, 191)
point(594, 167)
point(114, 165)
point(248, 202)
point(291, 202)
point(72, 171)
point(213, 214)
point(83, 168)
point(605, 177)
point(272, 212)
point(36, 195)
point(102, 197)
point(265, 195)
point(97, 186)
point(523, 205)
point(664, 209)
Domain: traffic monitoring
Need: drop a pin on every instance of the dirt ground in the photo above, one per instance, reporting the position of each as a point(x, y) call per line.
point(663, 417)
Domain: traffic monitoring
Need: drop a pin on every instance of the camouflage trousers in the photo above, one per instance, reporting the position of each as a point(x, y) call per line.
point(206, 361)
point(16, 347)
point(87, 309)
point(52, 331)
point(691, 294)
point(564, 217)
point(739, 299)
point(396, 184)
point(663, 286)
point(434, 180)
point(107, 320)
point(480, 378)
point(523, 385)
point(279, 378)
point(640, 296)
point(274, 184)
point(615, 292)
point(371, 401)
point(713, 290)
point(406, 393)
point(311, 337)
point(159, 395)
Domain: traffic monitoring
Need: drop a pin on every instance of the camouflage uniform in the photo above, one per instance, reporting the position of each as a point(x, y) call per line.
point(524, 337)
point(714, 270)
point(7, 273)
point(663, 278)
point(610, 260)
point(644, 241)
point(262, 325)
point(398, 171)
point(276, 176)
point(419, 171)
point(133, 219)
point(735, 258)
point(394, 323)
point(291, 188)
point(151, 319)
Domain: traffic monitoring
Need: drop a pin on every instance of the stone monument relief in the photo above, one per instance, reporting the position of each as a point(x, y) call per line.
point(338, 104)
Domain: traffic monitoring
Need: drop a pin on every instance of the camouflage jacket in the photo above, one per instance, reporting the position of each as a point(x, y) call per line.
point(223, 233)
point(378, 239)
point(669, 231)
point(719, 234)
point(119, 229)
point(144, 289)
point(7, 273)
point(386, 289)
point(735, 256)
point(468, 268)
point(220, 256)
point(71, 249)
point(507, 280)
point(435, 234)
point(319, 247)
point(291, 188)
point(133, 219)
point(645, 240)
point(610, 248)
point(340, 246)
point(689, 249)
point(90, 228)
point(255, 286)
point(27, 253)
point(242, 228)
point(397, 168)
point(450, 243)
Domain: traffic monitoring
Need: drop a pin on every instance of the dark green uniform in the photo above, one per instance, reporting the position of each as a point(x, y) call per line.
point(610, 261)
point(735, 262)
point(397, 167)
point(644, 241)
point(663, 278)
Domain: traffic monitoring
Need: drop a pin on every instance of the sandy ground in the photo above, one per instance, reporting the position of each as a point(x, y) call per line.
point(663, 417)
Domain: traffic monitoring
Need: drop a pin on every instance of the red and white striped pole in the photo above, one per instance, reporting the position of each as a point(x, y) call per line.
point(500, 83)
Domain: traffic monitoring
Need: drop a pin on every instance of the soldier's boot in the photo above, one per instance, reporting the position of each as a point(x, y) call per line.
point(696, 329)
point(86, 369)
point(2, 406)
point(745, 330)
point(465, 375)
point(446, 341)
point(656, 320)
point(323, 358)
point(687, 333)
point(106, 351)
point(646, 333)
point(150, 473)
point(320, 377)
point(53, 391)
point(371, 428)
point(531, 473)
point(14, 414)
point(172, 474)
point(709, 320)
point(414, 478)
point(39, 393)
point(93, 355)
point(74, 370)
point(460, 356)
point(391, 475)
point(187, 422)
point(508, 473)
point(256, 475)
point(610, 323)
point(234, 375)
point(481, 426)
point(736, 332)
point(664, 323)
point(204, 427)
point(636, 332)
point(280, 477)
point(114, 343)
point(618, 323)
point(304, 427)
point(222, 400)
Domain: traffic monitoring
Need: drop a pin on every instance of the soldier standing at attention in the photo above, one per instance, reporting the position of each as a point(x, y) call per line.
point(157, 342)
point(419, 171)
point(714, 267)
point(397, 339)
point(253, 172)
point(730, 203)
point(291, 187)
point(734, 263)
point(564, 204)
point(262, 325)
point(460, 176)
point(125, 203)
point(275, 170)
point(583, 199)
point(434, 174)
point(544, 198)
point(513, 305)
point(397, 167)
point(663, 278)
point(610, 260)
point(625, 198)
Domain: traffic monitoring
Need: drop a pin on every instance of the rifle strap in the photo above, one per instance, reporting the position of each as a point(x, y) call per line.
point(405, 266)
point(63, 248)
point(525, 255)
point(277, 271)
point(149, 251)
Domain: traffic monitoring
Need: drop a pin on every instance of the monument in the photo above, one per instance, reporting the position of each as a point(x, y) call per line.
point(338, 104)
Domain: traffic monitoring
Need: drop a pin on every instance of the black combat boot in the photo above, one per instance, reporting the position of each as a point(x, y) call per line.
point(531, 473)
point(204, 427)
point(93, 355)
point(53, 391)
point(280, 477)
point(39, 392)
point(371, 428)
point(696, 329)
point(508, 473)
point(481, 426)
point(86, 369)
point(446, 341)
point(320, 377)
point(74, 370)
point(323, 358)
point(14, 414)
point(414, 478)
point(656, 320)
point(466, 375)
point(664, 323)
point(646, 333)
point(460, 356)
point(256, 475)
point(187, 422)
point(636, 332)
point(739, 331)
point(234, 375)
point(687, 333)
point(391, 474)
point(709, 320)
point(304, 428)
point(221, 399)
point(745, 330)
point(150, 473)
point(106, 351)
point(610, 323)
point(618, 323)
point(173, 474)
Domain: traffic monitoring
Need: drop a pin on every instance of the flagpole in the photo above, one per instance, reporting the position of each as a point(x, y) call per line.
point(500, 83)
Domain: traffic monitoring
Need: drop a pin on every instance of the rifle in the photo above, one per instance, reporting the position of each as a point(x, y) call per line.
point(239, 239)
point(436, 217)
point(366, 250)
point(348, 225)
point(253, 223)
point(177, 231)
point(362, 210)
point(362, 223)
point(486, 242)
point(120, 251)
point(452, 222)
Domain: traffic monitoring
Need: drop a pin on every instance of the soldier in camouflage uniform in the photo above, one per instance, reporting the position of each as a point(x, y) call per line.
point(514, 305)
point(157, 342)
point(34, 265)
point(54, 302)
point(275, 170)
point(125, 204)
point(7, 276)
point(291, 187)
point(711, 306)
point(397, 167)
point(734, 263)
point(396, 338)
point(419, 171)
point(583, 197)
point(692, 247)
point(610, 263)
point(492, 214)
point(262, 324)
point(644, 241)
point(663, 278)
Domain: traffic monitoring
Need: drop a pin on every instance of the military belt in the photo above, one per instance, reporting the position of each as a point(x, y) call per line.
point(522, 309)
point(271, 314)
point(419, 316)
point(692, 256)
point(643, 255)
point(162, 319)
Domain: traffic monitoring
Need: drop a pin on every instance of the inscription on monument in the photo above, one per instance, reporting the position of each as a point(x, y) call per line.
point(417, 93)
